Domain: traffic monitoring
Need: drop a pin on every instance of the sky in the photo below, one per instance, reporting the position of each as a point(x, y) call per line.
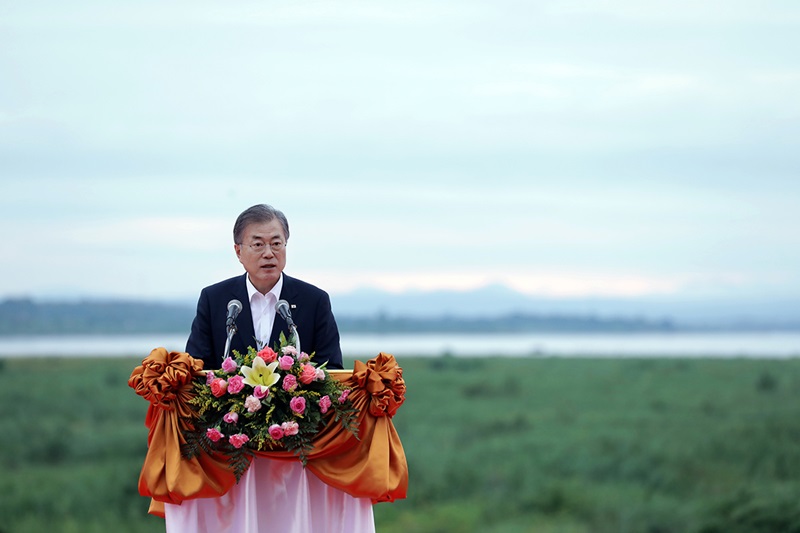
point(562, 148)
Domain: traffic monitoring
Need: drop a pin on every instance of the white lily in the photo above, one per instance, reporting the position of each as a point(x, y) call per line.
point(260, 373)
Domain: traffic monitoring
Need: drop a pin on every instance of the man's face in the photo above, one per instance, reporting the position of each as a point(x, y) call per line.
point(265, 266)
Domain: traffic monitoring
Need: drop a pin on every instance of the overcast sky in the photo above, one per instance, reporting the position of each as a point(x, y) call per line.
point(563, 148)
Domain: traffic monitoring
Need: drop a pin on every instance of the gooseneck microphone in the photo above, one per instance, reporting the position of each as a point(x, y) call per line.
point(282, 308)
point(234, 308)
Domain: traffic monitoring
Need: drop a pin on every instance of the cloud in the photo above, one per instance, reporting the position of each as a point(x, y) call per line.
point(708, 12)
point(558, 146)
point(534, 282)
point(179, 234)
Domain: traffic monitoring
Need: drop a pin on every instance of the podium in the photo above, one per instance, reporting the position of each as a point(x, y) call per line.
point(371, 466)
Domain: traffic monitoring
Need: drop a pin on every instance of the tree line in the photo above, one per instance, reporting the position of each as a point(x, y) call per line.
point(22, 316)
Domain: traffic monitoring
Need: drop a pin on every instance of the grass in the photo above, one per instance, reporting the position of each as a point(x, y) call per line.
point(551, 445)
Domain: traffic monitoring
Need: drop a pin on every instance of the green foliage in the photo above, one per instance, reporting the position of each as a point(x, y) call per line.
point(72, 448)
point(763, 511)
point(599, 445)
point(544, 445)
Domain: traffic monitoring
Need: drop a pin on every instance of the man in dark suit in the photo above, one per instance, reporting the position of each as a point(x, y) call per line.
point(260, 234)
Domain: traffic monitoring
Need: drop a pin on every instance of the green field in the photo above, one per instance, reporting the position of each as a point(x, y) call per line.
point(500, 445)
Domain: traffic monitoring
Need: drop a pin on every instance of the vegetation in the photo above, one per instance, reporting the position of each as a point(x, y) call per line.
point(23, 316)
point(503, 445)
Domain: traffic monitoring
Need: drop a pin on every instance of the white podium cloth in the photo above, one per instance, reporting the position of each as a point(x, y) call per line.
point(274, 497)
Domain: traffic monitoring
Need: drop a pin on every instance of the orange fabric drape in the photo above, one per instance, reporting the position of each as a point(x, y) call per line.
point(370, 466)
point(165, 380)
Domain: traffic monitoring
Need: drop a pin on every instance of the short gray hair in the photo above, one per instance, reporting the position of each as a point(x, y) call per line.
point(257, 214)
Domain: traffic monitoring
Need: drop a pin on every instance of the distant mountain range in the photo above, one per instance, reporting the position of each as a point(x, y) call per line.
point(498, 300)
point(489, 309)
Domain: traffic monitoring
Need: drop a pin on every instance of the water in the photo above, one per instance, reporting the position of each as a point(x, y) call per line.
point(773, 345)
point(780, 345)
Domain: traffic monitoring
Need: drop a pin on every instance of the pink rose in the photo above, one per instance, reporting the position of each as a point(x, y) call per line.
point(290, 428)
point(344, 395)
point(218, 387)
point(286, 362)
point(214, 434)
point(260, 391)
point(229, 365)
point(324, 404)
point(275, 431)
point(238, 440)
point(210, 377)
point(231, 418)
point(268, 355)
point(320, 375)
point(304, 357)
point(289, 382)
point(252, 404)
point(307, 374)
point(298, 404)
point(235, 384)
point(289, 350)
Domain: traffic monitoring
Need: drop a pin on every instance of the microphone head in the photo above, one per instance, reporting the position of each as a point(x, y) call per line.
point(282, 307)
point(235, 304)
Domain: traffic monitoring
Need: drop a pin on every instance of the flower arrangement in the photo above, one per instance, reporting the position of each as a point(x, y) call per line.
point(266, 400)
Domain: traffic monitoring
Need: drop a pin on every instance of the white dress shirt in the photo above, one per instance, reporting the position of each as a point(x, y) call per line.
point(262, 307)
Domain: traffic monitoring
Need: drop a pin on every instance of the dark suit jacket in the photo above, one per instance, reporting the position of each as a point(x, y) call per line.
point(311, 311)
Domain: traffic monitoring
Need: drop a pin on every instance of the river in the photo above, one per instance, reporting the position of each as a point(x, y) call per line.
point(725, 344)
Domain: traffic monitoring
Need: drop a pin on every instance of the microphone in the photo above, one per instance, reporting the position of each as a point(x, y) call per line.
point(282, 308)
point(234, 308)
